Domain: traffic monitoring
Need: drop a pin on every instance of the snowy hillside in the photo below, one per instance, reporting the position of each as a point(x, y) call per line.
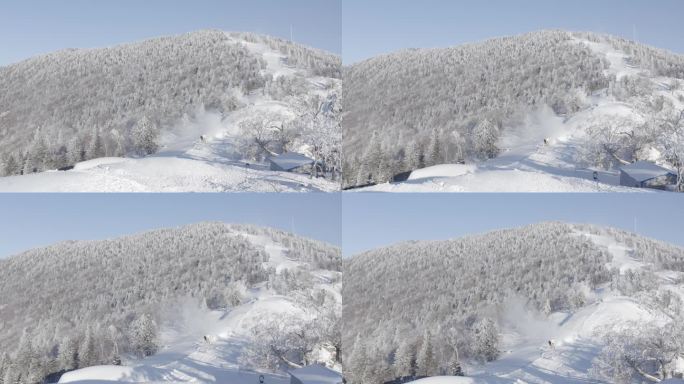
point(547, 303)
point(201, 303)
point(536, 112)
point(195, 112)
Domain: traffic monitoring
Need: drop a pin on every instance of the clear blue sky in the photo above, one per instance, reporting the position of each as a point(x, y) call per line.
point(32, 220)
point(374, 27)
point(31, 27)
point(374, 220)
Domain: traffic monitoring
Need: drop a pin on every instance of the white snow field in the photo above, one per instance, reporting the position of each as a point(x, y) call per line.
point(528, 164)
point(199, 154)
point(204, 346)
point(167, 172)
point(449, 380)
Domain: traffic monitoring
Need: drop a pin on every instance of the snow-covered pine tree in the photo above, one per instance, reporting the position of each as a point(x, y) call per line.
point(425, 360)
point(86, 350)
point(486, 346)
point(95, 146)
point(143, 335)
point(404, 360)
point(67, 354)
point(454, 368)
point(145, 136)
point(357, 365)
point(485, 137)
point(434, 151)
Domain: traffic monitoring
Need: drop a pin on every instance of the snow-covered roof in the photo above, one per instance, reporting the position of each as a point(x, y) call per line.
point(645, 170)
point(290, 160)
point(317, 374)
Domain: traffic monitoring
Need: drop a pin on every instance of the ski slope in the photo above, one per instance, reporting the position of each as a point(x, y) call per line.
point(529, 164)
point(527, 356)
point(199, 154)
point(205, 346)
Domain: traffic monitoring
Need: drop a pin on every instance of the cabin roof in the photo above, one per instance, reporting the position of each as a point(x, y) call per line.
point(645, 170)
point(290, 160)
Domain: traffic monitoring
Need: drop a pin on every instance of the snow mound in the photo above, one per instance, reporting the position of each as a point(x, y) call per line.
point(451, 380)
point(109, 373)
point(165, 174)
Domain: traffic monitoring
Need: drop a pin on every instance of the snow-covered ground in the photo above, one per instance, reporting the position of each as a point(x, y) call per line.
point(186, 356)
point(527, 163)
point(185, 162)
point(166, 172)
point(527, 356)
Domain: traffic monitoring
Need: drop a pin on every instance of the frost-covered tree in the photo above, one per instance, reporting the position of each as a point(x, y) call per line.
point(358, 367)
point(485, 137)
point(95, 147)
point(67, 354)
point(640, 351)
point(434, 150)
point(86, 350)
point(404, 360)
point(145, 135)
point(671, 139)
point(426, 363)
point(486, 340)
point(143, 335)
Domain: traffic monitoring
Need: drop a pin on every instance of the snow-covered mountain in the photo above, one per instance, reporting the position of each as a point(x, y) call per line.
point(199, 303)
point(205, 108)
point(535, 112)
point(546, 303)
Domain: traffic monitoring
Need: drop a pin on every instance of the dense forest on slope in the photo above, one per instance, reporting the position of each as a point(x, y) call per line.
point(420, 308)
point(422, 107)
point(78, 104)
point(83, 303)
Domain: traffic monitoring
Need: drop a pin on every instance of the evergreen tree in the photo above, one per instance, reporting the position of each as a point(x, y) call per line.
point(29, 166)
point(10, 166)
point(75, 152)
point(67, 354)
point(95, 147)
point(145, 136)
point(455, 368)
point(404, 360)
point(357, 366)
point(426, 362)
point(434, 152)
point(86, 351)
point(485, 138)
point(486, 346)
point(413, 156)
point(143, 336)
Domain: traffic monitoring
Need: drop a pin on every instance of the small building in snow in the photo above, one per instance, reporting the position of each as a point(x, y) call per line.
point(315, 374)
point(403, 176)
point(644, 174)
point(290, 161)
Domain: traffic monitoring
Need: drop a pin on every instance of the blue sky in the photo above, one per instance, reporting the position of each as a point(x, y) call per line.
point(374, 220)
point(374, 27)
point(31, 27)
point(32, 220)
